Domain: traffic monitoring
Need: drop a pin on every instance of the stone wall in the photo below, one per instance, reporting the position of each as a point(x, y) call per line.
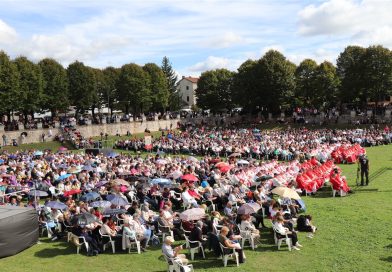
point(35, 135)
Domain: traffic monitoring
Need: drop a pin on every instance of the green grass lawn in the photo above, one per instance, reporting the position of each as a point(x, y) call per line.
point(354, 235)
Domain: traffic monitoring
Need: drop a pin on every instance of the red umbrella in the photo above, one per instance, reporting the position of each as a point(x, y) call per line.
point(225, 168)
point(189, 177)
point(72, 192)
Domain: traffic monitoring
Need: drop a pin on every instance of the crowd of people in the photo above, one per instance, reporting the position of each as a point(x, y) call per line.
point(216, 202)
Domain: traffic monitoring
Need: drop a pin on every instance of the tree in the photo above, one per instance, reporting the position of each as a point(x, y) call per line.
point(277, 83)
point(55, 91)
point(158, 87)
point(81, 86)
point(30, 95)
point(305, 77)
point(98, 90)
point(214, 90)
point(378, 73)
point(9, 83)
point(244, 89)
point(171, 78)
point(326, 86)
point(351, 72)
point(109, 93)
point(133, 88)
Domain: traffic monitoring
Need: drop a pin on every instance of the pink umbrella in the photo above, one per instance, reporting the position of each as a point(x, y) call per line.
point(63, 148)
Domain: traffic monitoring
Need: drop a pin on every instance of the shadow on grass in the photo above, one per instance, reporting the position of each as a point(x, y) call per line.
point(53, 252)
point(387, 259)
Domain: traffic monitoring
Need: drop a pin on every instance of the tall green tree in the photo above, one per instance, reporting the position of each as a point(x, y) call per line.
point(378, 73)
point(133, 88)
point(171, 79)
point(109, 94)
point(31, 85)
point(245, 89)
point(9, 85)
point(55, 91)
point(326, 86)
point(305, 89)
point(159, 89)
point(82, 89)
point(214, 90)
point(351, 72)
point(277, 81)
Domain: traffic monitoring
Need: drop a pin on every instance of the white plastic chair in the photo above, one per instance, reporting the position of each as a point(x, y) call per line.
point(164, 231)
point(194, 250)
point(133, 244)
point(283, 238)
point(229, 253)
point(110, 242)
point(175, 265)
point(247, 236)
point(80, 242)
point(341, 192)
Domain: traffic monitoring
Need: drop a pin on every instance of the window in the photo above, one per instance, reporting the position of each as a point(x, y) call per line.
point(187, 88)
point(187, 98)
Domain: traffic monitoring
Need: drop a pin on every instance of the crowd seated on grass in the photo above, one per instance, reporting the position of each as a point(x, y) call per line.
point(216, 204)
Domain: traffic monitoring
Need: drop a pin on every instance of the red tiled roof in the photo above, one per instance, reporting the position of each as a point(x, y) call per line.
point(192, 79)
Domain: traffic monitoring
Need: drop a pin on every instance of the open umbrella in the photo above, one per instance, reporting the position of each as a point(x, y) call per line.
point(176, 174)
point(101, 183)
point(242, 162)
point(161, 161)
point(101, 204)
point(189, 177)
point(37, 193)
point(236, 154)
point(226, 168)
point(56, 205)
point(221, 164)
point(112, 155)
point(63, 177)
point(84, 219)
point(286, 192)
point(121, 182)
point(89, 196)
point(38, 153)
point(74, 170)
point(193, 214)
point(88, 168)
point(72, 192)
point(63, 148)
point(161, 181)
point(248, 208)
point(117, 200)
point(114, 211)
point(192, 159)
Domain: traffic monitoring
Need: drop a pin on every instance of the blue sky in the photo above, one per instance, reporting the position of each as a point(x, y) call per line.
point(196, 35)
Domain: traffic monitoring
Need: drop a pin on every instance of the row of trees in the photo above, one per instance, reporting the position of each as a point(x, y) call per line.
point(27, 87)
point(273, 83)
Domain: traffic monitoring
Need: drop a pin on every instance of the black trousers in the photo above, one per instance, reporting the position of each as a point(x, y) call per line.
point(366, 174)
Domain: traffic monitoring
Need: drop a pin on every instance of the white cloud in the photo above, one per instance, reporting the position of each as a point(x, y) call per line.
point(7, 34)
point(226, 40)
point(361, 22)
point(213, 62)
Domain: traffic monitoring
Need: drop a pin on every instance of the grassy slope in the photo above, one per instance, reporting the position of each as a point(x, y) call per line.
point(354, 235)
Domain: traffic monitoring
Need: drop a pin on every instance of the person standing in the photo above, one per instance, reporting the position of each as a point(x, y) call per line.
point(364, 165)
point(4, 140)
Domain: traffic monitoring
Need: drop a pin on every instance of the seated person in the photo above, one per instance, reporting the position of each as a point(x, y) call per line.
point(304, 223)
point(279, 226)
point(226, 242)
point(197, 235)
point(247, 225)
point(130, 235)
point(171, 253)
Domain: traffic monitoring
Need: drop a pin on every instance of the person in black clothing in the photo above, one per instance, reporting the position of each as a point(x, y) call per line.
point(197, 235)
point(93, 243)
point(364, 165)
